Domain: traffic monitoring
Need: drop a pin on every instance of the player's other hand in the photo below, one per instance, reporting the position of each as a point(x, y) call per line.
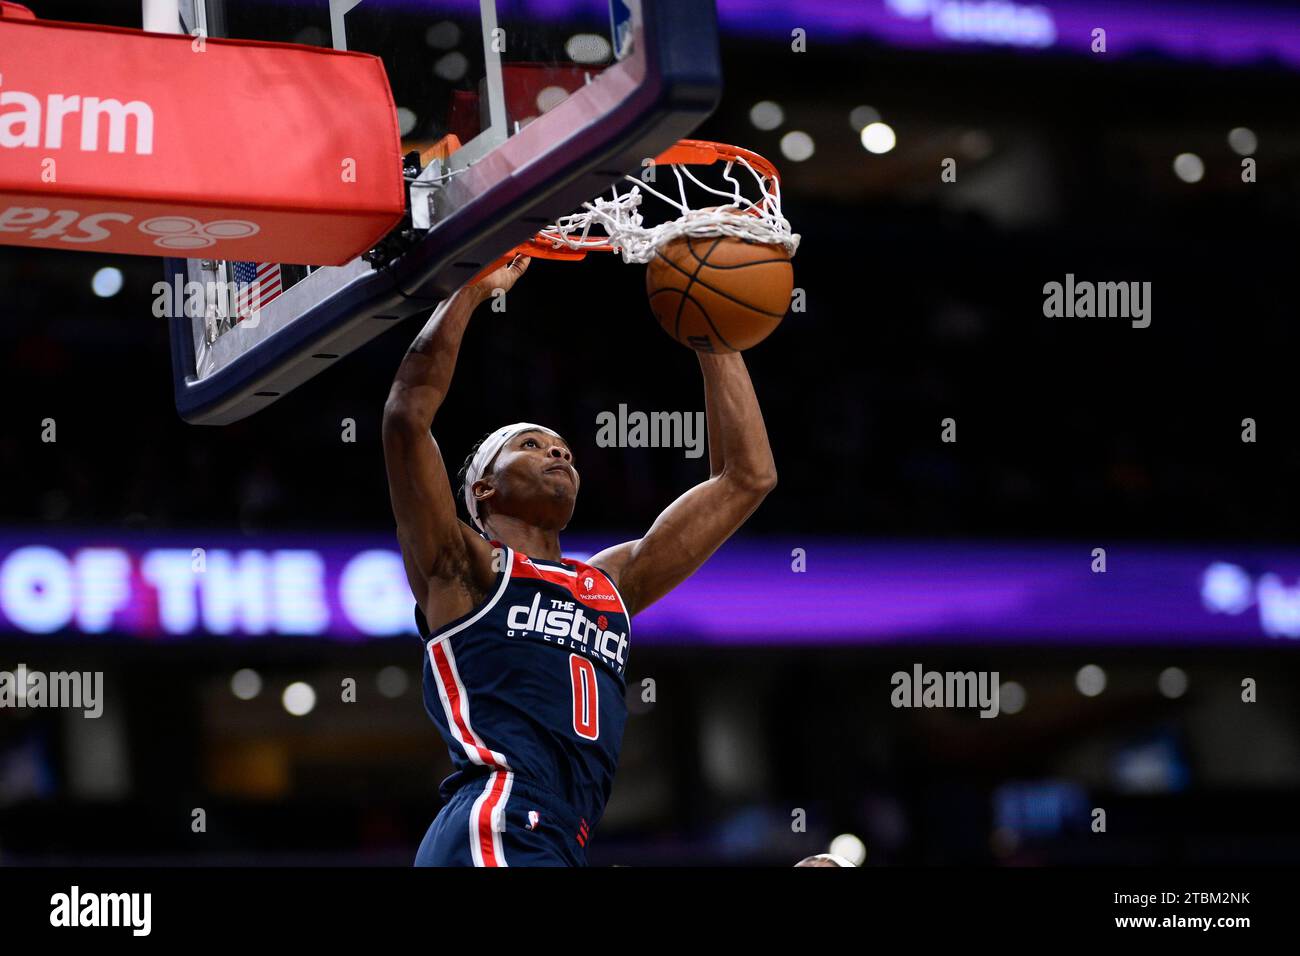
point(503, 278)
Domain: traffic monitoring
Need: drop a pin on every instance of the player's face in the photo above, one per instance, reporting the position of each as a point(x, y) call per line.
point(533, 479)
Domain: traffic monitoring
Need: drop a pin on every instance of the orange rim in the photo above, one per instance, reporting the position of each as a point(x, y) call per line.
point(703, 152)
point(685, 152)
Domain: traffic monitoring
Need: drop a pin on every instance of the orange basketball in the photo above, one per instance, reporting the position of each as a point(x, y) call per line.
point(719, 294)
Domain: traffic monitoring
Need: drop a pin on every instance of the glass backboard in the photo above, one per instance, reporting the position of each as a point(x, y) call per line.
point(512, 113)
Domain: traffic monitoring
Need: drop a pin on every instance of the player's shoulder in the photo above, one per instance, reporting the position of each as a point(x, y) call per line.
point(612, 561)
point(595, 571)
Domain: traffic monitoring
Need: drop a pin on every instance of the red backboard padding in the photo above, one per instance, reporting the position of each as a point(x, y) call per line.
point(115, 140)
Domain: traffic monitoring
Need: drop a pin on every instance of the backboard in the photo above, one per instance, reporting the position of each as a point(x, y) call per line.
point(512, 112)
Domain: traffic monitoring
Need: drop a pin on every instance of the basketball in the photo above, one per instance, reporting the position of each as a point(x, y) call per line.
point(719, 294)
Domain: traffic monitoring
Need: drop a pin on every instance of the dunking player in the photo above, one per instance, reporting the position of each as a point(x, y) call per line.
point(526, 652)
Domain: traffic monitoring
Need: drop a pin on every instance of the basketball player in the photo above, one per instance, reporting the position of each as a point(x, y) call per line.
point(526, 652)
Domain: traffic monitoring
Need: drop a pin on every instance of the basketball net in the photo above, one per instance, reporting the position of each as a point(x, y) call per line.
point(615, 224)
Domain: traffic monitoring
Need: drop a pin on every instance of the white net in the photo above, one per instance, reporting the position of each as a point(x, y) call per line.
point(616, 223)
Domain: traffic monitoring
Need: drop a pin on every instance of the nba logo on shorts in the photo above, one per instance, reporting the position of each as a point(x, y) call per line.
point(588, 583)
point(533, 818)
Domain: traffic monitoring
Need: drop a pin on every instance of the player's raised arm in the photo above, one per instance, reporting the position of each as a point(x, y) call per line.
point(436, 545)
point(742, 473)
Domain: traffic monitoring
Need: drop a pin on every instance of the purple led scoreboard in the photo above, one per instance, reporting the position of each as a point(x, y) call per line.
point(1220, 32)
point(93, 585)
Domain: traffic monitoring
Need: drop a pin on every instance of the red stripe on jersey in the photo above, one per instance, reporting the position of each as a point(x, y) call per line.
point(448, 680)
point(485, 841)
point(602, 596)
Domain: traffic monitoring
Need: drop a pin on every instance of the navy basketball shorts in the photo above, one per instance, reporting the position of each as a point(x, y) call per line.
point(500, 820)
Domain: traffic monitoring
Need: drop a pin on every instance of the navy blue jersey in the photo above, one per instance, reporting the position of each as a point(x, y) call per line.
point(531, 682)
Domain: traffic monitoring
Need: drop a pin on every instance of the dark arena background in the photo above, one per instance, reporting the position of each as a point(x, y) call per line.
point(1098, 513)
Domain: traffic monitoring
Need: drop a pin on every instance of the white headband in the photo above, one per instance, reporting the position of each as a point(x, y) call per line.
point(487, 453)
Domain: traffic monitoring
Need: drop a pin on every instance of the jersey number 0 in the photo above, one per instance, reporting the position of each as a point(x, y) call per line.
point(586, 699)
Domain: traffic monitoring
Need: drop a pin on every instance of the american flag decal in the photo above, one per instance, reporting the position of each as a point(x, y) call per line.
point(256, 284)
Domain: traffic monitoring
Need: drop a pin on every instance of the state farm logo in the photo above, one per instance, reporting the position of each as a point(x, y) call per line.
point(175, 233)
point(182, 233)
point(40, 123)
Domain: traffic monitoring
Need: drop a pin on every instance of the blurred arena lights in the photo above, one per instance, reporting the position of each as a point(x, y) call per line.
point(550, 97)
point(246, 683)
point(1172, 682)
point(1243, 141)
point(850, 847)
point(451, 67)
point(1090, 680)
point(442, 35)
point(406, 120)
point(1011, 697)
point(1226, 588)
point(1189, 168)
point(392, 681)
point(863, 116)
point(107, 282)
point(797, 146)
point(587, 48)
point(766, 115)
point(878, 138)
point(299, 698)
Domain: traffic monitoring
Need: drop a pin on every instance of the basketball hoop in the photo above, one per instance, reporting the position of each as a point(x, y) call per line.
point(615, 224)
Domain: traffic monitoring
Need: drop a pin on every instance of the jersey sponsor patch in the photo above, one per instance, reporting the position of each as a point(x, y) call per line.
point(586, 585)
